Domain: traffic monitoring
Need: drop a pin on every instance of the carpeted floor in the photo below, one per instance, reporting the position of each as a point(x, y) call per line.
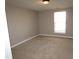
point(43, 47)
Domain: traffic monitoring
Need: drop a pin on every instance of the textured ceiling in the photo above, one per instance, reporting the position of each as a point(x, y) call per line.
point(38, 6)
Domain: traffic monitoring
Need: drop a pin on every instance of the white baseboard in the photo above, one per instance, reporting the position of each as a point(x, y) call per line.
point(56, 35)
point(38, 35)
point(23, 41)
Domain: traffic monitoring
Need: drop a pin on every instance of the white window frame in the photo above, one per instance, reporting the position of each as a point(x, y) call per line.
point(56, 30)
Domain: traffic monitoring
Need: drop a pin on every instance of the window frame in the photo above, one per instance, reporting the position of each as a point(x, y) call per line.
point(65, 22)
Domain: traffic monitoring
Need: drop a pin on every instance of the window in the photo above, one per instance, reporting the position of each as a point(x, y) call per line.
point(60, 22)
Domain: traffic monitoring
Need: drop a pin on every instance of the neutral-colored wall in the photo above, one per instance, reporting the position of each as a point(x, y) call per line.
point(46, 22)
point(22, 23)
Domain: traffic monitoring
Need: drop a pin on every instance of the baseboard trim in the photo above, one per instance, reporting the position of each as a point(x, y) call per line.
point(36, 36)
point(56, 35)
point(23, 41)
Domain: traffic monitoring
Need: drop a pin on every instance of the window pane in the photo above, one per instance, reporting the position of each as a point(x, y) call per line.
point(60, 22)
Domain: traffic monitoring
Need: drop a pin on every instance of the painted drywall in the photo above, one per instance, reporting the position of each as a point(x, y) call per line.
point(46, 22)
point(22, 23)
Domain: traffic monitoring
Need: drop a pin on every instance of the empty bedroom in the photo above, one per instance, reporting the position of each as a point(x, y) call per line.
point(40, 29)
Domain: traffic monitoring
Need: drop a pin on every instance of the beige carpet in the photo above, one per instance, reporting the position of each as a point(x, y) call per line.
point(43, 47)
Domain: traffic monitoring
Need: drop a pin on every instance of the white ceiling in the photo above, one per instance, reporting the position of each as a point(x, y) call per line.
point(38, 6)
